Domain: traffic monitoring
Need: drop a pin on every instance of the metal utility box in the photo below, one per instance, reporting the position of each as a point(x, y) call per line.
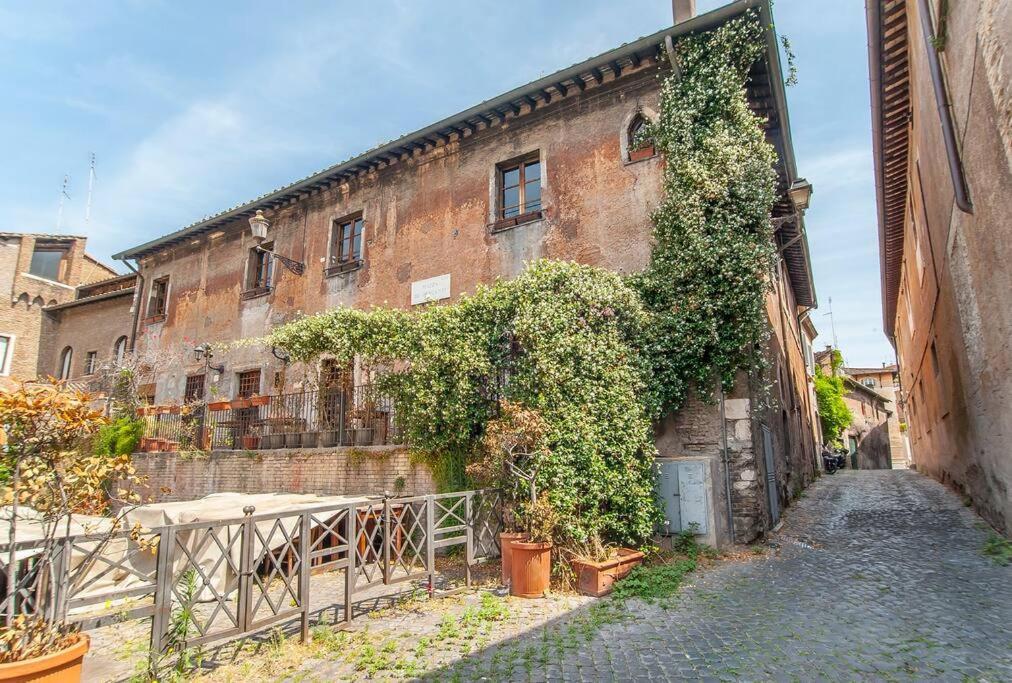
point(683, 494)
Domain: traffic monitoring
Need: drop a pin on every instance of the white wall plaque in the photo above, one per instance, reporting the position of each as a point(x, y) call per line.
point(431, 289)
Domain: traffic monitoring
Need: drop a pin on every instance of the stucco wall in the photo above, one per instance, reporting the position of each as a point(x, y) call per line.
point(372, 470)
point(953, 342)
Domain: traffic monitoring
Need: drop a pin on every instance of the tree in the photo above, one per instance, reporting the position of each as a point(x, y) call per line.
point(834, 415)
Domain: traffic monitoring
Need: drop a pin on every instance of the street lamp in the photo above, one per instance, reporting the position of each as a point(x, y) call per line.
point(258, 225)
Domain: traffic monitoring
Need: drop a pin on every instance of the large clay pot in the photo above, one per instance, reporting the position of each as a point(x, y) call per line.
point(59, 667)
point(506, 539)
point(598, 578)
point(530, 569)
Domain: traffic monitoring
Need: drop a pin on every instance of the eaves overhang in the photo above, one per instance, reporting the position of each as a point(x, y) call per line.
point(766, 93)
point(889, 77)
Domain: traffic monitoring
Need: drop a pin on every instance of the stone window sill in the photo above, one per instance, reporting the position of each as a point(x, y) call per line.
point(255, 293)
point(153, 319)
point(510, 223)
point(343, 268)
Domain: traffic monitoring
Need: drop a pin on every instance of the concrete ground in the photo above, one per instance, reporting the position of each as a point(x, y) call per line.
point(877, 575)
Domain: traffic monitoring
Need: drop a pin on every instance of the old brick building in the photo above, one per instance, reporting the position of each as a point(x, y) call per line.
point(38, 271)
point(942, 120)
point(884, 380)
point(550, 170)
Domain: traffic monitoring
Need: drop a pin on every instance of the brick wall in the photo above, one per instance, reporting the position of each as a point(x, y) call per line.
point(88, 326)
point(372, 470)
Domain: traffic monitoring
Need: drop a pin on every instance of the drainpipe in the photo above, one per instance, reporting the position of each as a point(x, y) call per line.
point(138, 298)
point(727, 462)
point(944, 110)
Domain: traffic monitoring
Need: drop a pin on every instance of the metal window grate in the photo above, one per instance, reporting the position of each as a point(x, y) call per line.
point(194, 388)
point(249, 383)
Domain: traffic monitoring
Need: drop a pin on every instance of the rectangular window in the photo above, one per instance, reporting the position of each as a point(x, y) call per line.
point(520, 188)
point(345, 245)
point(47, 263)
point(90, 362)
point(146, 394)
point(249, 383)
point(6, 346)
point(258, 275)
point(158, 301)
point(194, 388)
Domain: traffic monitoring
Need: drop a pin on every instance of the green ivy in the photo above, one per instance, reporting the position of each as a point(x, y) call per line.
point(714, 255)
point(834, 415)
point(567, 338)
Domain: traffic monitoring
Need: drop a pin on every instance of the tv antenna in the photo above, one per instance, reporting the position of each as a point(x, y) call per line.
point(832, 324)
point(63, 196)
point(91, 186)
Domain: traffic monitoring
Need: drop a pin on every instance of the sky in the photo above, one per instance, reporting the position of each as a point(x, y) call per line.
point(193, 107)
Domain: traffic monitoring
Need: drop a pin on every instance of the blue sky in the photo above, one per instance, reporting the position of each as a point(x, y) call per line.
point(194, 107)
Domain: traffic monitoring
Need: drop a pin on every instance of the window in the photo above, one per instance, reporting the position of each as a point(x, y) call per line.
point(90, 362)
point(146, 394)
point(47, 262)
point(119, 349)
point(345, 245)
point(869, 382)
point(66, 358)
point(249, 383)
point(258, 270)
point(520, 188)
point(194, 390)
point(158, 302)
point(640, 144)
point(6, 347)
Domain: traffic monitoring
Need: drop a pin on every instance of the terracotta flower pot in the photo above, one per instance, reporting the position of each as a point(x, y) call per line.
point(59, 667)
point(240, 403)
point(171, 446)
point(506, 540)
point(530, 569)
point(219, 405)
point(641, 153)
point(161, 444)
point(598, 578)
point(256, 401)
point(251, 443)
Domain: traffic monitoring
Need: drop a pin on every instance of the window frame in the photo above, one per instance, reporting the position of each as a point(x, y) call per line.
point(524, 212)
point(190, 396)
point(259, 271)
point(66, 364)
point(338, 261)
point(641, 152)
point(158, 312)
point(61, 266)
point(117, 355)
point(90, 362)
point(8, 356)
point(241, 375)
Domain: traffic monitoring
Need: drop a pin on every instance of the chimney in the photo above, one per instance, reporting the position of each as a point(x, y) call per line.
point(683, 10)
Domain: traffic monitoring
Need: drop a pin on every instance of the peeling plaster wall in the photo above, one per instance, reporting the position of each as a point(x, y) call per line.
point(954, 320)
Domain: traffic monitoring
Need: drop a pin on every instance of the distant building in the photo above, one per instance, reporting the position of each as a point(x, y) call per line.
point(869, 438)
point(38, 271)
point(942, 134)
point(885, 381)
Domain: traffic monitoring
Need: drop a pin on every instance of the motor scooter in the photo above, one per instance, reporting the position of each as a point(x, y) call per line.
point(830, 463)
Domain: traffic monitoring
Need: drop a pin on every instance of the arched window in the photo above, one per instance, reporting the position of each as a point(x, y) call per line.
point(119, 349)
point(639, 142)
point(66, 358)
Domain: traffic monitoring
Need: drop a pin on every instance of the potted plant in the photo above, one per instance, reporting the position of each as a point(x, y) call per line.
point(239, 403)
point(512, 442)
point(219, 405)
point(531, 556)
point(257, 400)
point(54, 475)
point(597, 578)
point(251, 440)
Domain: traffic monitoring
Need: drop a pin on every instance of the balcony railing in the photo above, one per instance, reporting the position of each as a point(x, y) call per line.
point(358, 416)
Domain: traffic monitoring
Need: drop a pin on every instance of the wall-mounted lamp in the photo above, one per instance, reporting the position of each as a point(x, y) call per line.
point(258, 225)
point(801, 194)
point(204, 353)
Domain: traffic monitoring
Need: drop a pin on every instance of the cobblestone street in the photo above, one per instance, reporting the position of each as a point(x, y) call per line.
point(876, 575)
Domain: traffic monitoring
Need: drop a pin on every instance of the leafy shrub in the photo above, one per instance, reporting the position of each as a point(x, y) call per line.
point(120, 437)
